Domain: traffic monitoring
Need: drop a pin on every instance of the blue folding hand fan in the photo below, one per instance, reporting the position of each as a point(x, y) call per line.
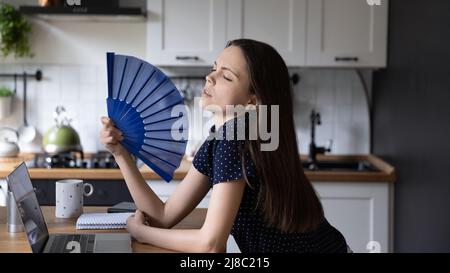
point(149, 110)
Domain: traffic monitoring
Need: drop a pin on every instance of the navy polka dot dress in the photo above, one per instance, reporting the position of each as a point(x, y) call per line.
point(219, 158)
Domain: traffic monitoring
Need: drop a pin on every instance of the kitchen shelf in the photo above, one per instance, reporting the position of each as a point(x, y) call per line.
point(90, 14)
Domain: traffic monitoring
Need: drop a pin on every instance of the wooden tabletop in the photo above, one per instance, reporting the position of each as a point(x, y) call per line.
point(385, 173)
point(17, 242)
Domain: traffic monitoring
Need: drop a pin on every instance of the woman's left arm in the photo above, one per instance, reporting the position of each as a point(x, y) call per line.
point(211, 237)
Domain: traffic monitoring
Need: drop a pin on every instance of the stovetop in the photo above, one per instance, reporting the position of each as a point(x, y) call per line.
point(73, 160)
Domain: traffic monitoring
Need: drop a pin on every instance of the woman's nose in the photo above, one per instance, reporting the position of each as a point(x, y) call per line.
point(210, 79)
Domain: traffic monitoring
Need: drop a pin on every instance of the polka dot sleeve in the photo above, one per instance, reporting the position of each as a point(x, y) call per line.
point(227, 162)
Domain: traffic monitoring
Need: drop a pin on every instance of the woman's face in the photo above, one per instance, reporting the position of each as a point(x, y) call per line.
point(228, 83)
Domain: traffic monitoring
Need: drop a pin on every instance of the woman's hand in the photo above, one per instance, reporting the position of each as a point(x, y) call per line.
point(110, 137)
point(135, 224)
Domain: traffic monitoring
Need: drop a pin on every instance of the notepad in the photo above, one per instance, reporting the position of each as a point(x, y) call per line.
point(102, 220)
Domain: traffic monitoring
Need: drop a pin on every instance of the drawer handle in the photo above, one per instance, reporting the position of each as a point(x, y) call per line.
point(346, 59)
point(185, 58)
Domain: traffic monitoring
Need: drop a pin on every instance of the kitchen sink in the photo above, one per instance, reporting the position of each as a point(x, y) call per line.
point(344, 166)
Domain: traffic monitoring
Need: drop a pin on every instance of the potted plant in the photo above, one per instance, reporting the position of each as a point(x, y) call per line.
point(14, 30)
point(6, 96)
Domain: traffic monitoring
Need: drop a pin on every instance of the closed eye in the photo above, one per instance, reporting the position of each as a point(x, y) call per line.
point(227, 79)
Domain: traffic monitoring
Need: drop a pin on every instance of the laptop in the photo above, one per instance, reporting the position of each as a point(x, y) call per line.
point(19, 183)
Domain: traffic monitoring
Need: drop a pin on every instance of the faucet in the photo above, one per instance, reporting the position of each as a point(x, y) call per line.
point(313, 149)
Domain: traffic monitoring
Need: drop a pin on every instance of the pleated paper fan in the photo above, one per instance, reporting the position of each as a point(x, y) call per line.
point(149, 110)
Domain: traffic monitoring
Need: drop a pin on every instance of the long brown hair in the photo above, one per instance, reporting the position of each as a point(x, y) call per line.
point(286, 197)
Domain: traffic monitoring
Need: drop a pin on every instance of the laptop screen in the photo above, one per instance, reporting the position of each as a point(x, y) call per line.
point(19, 183)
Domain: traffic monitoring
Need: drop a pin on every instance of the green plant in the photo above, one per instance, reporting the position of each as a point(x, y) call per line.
point(5, 92)
point(14, 29)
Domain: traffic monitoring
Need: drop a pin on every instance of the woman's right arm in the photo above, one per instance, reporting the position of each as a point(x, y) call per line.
point(183, 200)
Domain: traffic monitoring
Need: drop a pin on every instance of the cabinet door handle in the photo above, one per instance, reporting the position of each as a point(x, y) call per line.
point(346, 59)
point(185, 58)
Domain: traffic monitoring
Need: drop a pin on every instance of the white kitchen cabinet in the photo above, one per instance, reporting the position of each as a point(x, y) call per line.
point(194, 32)
point(185, 33)
point(362, 212)
point(346, 33)
point(306, 33)
point(280, 23)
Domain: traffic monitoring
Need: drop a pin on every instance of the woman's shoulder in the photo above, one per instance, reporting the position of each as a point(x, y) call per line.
point(235, 129)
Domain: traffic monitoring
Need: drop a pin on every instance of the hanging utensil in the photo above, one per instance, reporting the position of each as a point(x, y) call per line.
point(27, 133)
point(15, 84)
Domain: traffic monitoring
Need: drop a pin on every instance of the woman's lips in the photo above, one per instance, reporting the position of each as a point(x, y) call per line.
point(206, 93)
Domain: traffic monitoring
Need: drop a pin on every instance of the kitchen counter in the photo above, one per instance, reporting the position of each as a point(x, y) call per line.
point(8, 164)
point(384, 173)
point(17, 242)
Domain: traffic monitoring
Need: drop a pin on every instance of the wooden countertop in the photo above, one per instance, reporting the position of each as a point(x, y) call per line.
point(8, 164)
point(386, 172)
point(17, 242)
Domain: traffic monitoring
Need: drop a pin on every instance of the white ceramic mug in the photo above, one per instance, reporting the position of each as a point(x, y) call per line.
point(69, 197)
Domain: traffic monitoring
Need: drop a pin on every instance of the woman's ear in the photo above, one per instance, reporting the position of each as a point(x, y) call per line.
point(251, 103)
point(253, 100)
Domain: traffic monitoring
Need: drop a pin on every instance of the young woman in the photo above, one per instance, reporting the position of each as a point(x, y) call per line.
point(262, 198)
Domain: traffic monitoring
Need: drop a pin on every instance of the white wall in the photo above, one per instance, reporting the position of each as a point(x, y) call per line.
point(339, 97)
point(80, 42)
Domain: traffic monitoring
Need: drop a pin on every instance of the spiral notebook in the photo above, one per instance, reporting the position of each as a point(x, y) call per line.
point(102, 220)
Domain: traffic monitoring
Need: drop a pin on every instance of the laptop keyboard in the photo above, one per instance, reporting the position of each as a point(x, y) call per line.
point(73, 243)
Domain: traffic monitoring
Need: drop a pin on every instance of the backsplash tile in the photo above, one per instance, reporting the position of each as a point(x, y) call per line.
point(336, 93)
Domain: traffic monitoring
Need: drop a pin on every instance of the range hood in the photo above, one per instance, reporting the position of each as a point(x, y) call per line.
point(106, 12)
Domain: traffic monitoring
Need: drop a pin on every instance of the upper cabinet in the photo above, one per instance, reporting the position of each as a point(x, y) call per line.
point(181, 32)
point(307, 33)
point(280, 23)
point(346, 33)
